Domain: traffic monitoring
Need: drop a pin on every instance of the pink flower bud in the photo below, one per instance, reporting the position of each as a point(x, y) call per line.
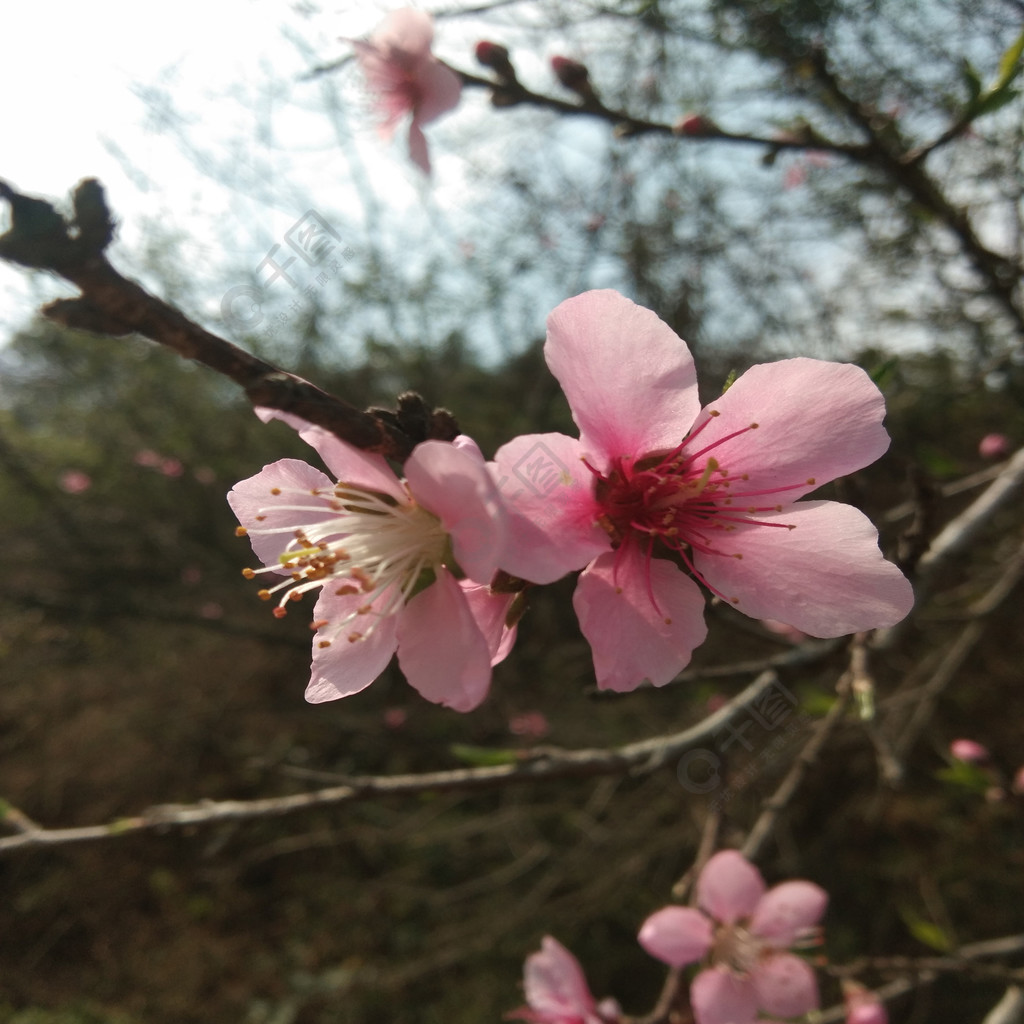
point(969, 751)
point(994, 446)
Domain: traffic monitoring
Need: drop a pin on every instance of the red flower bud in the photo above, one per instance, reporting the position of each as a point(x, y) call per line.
point(495, 56)
point(694, 125)
point(572, 74)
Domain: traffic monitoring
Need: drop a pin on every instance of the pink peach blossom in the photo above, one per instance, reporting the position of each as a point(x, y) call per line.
point(388, 557)
point(745, 931)
point(657, 493)
point(407, 78)
point(557, 992)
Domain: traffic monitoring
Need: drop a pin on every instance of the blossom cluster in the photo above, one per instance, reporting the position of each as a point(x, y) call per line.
point(656, 501)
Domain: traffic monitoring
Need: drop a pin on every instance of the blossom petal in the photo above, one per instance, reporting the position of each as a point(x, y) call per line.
point(677, 935)
point(440, 90)
point(634, 638)
point(441, 650)
point(406, 31)
point(490, 610)
point(555, 985)
point(729, 887)
point(348, 665)
point(816, 421)
point(549, 494)
point(717, 997)
point(349, 464)
point(259, 509)
point(629, 379)
point(826, 576)
point(418, 151)
point(787, 910)
point(785, 986)
point(457, 488)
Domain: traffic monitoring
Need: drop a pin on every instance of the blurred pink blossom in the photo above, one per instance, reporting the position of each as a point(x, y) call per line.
point(994, 446)
point(722, 501)
point(147, 457)
point(557, 992)
point(795, 176)
point(380, 552)
point(212, 610)
point(205, 475)
point(171, 467)
point(395, 718)
point(745, 931)
point(862, 1005)
point(1017, 786)
point(530, 723)
point(407, 78)
point(969, 751)
point(74, 481)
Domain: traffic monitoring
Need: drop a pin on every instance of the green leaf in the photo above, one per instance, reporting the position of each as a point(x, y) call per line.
point(965, 775)
point(1010, 66)
point(993, 101)
point(926, 931)
point(482, 757)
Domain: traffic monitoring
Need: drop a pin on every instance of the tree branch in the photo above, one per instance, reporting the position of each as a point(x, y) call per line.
point(639, 758)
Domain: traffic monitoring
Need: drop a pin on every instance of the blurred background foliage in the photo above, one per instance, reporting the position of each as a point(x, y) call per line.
point(140, 669)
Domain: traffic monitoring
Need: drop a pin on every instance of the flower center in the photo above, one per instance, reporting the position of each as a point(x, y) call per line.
point(736, 949)
point(685, 499)
point(355, 541)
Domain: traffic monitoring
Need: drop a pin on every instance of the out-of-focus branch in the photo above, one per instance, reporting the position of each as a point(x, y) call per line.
point(920, 971)
point(958, 534)
point(902, 733)
point(40, 238)
point(639, 758)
